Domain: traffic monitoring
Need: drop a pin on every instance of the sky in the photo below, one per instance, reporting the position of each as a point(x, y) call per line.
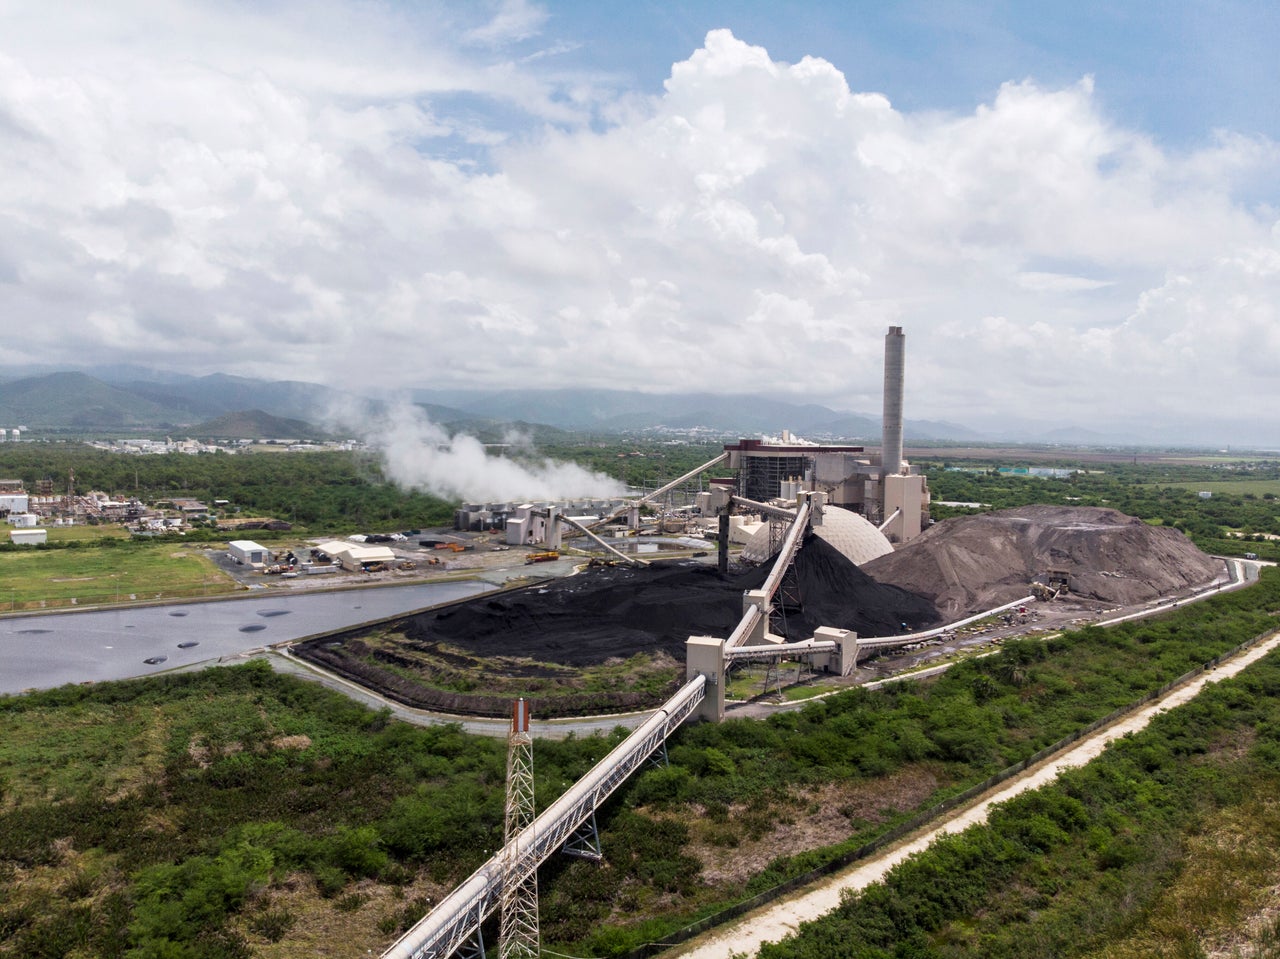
point(1071, 209)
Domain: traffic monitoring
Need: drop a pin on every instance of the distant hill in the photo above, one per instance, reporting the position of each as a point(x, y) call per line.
point(225, 406)
point(614, 411)
point(219, 393)
point(255, 425)
point(78, 401)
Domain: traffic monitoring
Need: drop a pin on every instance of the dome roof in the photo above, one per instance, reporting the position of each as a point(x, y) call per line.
point(850, 533)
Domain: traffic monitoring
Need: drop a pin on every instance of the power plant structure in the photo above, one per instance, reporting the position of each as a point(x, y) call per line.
point(883, 488)
point(454, 925)
point(799, 488)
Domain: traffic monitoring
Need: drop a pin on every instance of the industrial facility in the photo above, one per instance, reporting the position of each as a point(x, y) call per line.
point(883, 488)
point(881, 500)
point(796, 489)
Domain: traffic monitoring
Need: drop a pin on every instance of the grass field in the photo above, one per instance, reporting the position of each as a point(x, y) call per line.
point(90, 575)
point(1258, 487)
point(86, 534)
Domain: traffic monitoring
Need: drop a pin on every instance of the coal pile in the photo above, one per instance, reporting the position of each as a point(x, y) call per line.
point(834, 592)
point(598, 616)
point(972, 563)
point(617, 612)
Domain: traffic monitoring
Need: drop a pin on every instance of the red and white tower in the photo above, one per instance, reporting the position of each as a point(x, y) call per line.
point(519, 937)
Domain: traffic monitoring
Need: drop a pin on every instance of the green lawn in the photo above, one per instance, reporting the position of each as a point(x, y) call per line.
point(86, 534)
point(84, 576)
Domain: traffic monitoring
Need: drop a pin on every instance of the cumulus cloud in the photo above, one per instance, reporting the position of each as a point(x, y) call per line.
point(419, 454)
point(366, 194)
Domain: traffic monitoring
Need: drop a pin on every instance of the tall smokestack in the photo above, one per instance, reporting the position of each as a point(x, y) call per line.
point(891, 432)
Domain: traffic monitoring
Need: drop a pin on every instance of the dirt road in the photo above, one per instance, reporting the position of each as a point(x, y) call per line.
point(783, 917)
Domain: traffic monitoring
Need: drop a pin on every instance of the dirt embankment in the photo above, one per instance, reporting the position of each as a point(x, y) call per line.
point(971, 563)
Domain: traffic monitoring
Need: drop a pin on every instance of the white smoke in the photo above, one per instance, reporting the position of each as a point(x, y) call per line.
point(419, 454)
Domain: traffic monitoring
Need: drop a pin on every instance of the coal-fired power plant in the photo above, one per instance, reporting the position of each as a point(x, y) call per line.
point(883, 489)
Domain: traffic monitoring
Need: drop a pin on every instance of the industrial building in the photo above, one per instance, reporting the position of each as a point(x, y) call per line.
point(354, 557)
point(248, 553)
point(882, 488)
point(886, 501)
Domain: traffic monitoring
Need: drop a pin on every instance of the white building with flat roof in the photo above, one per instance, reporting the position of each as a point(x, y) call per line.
point(248, 553)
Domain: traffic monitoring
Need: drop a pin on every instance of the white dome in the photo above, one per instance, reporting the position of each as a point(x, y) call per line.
point(850, 533)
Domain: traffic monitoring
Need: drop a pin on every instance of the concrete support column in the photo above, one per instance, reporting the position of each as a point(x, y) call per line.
point(704, 656)
point(756, 597)
point(845, 657)
point(554, 533)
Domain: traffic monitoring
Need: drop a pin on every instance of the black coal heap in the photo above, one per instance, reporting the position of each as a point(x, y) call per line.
point(609, 612)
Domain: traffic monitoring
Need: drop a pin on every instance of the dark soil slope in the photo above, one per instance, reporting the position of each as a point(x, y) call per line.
point(834, 592)
point(971, 563)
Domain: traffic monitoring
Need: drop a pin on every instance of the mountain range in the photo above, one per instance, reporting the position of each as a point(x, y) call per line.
point(104, 401)
point(120, 400)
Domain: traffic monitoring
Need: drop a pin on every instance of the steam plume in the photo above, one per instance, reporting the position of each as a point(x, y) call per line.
point(419, 454)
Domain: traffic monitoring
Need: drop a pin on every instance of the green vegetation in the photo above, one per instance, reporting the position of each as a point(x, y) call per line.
point(333, 491)
point(171, 816)
point(1148, 850)
point(636, 462)
point(236, 812)
point(1161, 494)
point(876, 758)
point(104, 569)
point(293, 811)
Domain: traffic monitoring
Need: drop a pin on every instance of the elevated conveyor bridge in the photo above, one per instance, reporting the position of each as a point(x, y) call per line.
point(457, 919)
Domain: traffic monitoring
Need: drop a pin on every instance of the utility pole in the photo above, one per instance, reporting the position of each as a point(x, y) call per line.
point(519, 937)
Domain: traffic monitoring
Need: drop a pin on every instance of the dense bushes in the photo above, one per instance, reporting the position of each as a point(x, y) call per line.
point(234, 778)
point(1035, 693)
point(1073, 866)
point(333, 490)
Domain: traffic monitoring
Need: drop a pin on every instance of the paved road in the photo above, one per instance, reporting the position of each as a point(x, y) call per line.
point(43, 651)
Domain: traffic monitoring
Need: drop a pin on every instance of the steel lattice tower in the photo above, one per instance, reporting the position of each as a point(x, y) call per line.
point(519, 938)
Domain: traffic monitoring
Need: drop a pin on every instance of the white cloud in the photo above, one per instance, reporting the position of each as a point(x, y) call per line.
point(513, 20)
point(365, 193)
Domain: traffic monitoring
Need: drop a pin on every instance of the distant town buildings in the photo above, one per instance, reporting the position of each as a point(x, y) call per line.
point(143, 447)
